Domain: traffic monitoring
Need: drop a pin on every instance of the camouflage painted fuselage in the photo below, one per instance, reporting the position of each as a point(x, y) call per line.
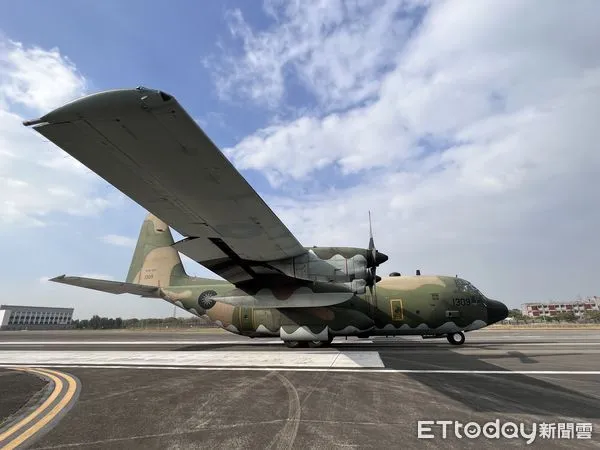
point(421, 305)
point(401, 305)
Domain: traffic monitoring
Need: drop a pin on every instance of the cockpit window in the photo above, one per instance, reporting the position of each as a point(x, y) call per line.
point(465, 286)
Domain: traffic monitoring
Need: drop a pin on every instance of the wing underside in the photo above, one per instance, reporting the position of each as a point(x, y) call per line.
point(145, 144)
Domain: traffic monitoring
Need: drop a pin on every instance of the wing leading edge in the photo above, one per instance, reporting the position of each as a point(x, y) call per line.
point(146, 145)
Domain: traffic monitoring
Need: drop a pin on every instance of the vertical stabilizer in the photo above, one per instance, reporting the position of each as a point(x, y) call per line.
point(155, 262)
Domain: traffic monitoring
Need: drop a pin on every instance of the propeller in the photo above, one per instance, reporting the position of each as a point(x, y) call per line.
point(374, 258)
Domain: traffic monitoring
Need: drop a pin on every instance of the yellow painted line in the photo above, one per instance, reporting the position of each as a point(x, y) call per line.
point(58, 384)
point(52, 414)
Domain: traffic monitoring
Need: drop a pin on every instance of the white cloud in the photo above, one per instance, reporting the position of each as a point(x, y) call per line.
point(99, 276)
point(508, 92)
point(37, 178)
point(122, 241)
point(37, 78)
point(334, 48)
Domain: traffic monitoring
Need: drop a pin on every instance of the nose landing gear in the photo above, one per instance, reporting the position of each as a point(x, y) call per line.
point(456, 338)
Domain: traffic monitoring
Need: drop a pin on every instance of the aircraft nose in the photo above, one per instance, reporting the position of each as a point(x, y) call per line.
point(496, 311)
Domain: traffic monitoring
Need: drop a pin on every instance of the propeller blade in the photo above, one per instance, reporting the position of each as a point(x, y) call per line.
point(371, 242)
point(373, 262)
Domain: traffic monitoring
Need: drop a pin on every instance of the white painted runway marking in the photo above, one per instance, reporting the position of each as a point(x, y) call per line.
point(257, 358)
point(399, 342)
point(320, 369)
point(517, 337)
point(230, 341)
point(483, 353)
point(551, 344)
point(476, 344)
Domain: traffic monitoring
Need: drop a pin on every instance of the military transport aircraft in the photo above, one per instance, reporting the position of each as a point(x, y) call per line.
point(146, 145)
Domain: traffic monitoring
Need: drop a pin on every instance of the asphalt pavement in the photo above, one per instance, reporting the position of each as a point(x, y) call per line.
point(216, 390)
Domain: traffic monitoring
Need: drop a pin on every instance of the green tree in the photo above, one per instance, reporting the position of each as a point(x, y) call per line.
point(516, 314)
point(95, 322)
point(593, 316)
point(568, 316)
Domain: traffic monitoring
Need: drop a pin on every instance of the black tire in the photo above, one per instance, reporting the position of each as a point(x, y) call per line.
point(295, 344)
point(456, 338)
point(320, 344)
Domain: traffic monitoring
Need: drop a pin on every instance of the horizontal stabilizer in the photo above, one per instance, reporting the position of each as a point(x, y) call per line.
point(304, 300)
point(112, 287)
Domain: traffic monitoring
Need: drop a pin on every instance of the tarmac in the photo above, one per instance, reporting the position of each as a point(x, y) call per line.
point(173, 390)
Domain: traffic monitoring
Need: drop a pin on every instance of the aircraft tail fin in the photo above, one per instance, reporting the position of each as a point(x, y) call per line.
point(155, 262)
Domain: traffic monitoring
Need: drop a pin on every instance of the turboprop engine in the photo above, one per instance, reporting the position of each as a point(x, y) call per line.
point(353, 267)
point(350, 266)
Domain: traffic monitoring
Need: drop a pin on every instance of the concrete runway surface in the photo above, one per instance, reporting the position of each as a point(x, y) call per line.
point(216, 390)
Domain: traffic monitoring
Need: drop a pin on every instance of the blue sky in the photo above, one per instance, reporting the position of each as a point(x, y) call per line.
point(472, 146)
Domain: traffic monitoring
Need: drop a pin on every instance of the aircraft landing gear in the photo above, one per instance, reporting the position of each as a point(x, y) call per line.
point(311, 344)
point(456, 338)
point(295, 344)
point(317, 344)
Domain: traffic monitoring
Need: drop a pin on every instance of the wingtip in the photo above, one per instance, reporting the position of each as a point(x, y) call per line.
point(58, 278)
point(29, 123)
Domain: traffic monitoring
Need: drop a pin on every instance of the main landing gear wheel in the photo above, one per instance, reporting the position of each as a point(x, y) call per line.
point(295, 344)
point(456, 338)
point(317, 344)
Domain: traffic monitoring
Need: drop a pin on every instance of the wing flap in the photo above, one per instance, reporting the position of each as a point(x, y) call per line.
point(111, 287)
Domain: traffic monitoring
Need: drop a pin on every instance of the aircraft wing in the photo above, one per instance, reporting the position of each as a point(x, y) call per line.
point(146, 145)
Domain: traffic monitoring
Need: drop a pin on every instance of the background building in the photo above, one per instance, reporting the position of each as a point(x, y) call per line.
point(19, 317)
point(578, 307)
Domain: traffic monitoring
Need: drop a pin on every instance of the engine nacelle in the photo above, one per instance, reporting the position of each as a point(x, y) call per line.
point(350, 268)
point(337, 268)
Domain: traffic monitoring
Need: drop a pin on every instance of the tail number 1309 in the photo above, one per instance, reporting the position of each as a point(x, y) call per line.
point(461, 301)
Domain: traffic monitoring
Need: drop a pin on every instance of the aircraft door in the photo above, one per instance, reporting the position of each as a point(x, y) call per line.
point(438, 309)
point(464, 309)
